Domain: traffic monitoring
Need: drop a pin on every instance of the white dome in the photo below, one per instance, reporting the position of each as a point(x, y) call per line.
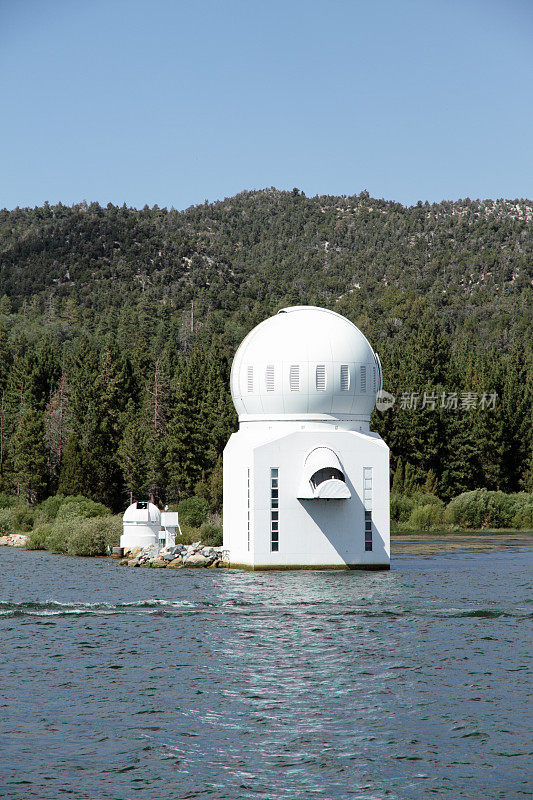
point(142, 512)
point(305, 362)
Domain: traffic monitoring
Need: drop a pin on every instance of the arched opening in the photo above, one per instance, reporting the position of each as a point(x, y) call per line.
point(326, 474)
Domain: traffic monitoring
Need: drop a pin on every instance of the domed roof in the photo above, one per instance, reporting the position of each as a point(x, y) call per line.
point(143, 511)
point(305, 362)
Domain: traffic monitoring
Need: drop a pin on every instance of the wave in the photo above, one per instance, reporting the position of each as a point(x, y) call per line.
point(164, 607)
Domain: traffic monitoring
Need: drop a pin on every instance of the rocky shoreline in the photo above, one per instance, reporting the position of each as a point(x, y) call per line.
point(14, 540)
point(181, 555)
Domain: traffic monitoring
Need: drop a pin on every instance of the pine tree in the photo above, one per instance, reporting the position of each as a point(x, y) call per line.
point(132, 454)
point(73, 475)
point(398, 479)
point(30, 469)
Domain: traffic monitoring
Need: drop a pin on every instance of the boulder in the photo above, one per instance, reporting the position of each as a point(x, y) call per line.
point(18, 540)
point(196, 560)
point(158, 562)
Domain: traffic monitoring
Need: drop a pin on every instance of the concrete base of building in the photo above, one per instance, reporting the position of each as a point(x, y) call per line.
point(285, 567)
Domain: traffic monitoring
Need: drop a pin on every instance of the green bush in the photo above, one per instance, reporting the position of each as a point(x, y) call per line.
point(400, 507)
point(483, 509)
point(424, 499)
point(7, 521)
point(524, 517)
point(189, 534)
point(38, 539)
point(425, 517)
point(193, 511)
point(57, 539)
point(23, 517)
point(92, 537)
point(8, 500)
point(81, 507)
point(78, 536)
point(211, 535)
point(47, 510)
point(16, 519)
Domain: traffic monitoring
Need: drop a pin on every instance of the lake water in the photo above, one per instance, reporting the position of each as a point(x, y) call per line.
point(153, 684)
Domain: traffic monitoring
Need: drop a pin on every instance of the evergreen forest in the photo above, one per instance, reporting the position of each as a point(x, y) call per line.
point(118, 327)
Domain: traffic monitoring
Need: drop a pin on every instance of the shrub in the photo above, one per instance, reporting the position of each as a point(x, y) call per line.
point(23, 517)
point(481, 508)
point(15, 519)
point(193, 511)
point(92, 537)
point(400, 507)
point(7, 522)
point(57, 538)
point(78, 536)
point(81, 507)
point(8, 500)
point(189, 534)
point(425, 517)
point(211, 535)
point(424, 499)
point(524, 517)
point(47, 510)
point(39, 537)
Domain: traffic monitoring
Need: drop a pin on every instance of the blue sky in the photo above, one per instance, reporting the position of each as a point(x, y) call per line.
point(173, 102)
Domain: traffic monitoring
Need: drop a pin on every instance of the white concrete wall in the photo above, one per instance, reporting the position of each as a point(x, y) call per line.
point(136, 534)
point(311, 532)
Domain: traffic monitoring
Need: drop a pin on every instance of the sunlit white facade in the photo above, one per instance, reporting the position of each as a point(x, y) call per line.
point(144, 525)
point(306, 483)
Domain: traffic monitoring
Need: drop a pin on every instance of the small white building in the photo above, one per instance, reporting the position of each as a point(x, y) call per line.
point(142, 523)
point(306, 483)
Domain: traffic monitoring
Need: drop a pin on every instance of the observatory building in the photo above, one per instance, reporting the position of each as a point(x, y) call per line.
point(145, 525)
point(306, 483)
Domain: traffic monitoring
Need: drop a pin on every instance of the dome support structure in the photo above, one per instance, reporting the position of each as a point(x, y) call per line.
point(304, 384)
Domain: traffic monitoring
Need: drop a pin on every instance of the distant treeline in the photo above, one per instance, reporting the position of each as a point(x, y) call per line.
point(117, 330)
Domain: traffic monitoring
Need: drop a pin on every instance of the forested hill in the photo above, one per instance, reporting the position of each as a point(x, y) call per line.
point(117, 294)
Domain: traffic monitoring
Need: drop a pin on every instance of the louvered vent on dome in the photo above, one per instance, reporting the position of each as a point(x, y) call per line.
point(380, 373)
point(269, 378)
point(250, 379)
point(363, 379)
point(294, 378)
point(321, 377)
point(374, 378)
point(345, 378)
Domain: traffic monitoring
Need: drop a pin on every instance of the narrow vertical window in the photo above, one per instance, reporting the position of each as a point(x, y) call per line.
point(321, 377)
point(363, 379)
point(374, 378)
point(368, 530)
point(294, 378)
point(269, 377)
point(248, 506)
point(367, 502)
point(345, 378)
point(250, 379)
point(274, 510)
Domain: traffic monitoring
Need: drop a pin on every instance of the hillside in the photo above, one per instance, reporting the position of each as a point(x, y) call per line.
point(441, 290)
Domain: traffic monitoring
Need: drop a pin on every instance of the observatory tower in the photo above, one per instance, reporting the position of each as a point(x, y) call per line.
point(306, 483)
